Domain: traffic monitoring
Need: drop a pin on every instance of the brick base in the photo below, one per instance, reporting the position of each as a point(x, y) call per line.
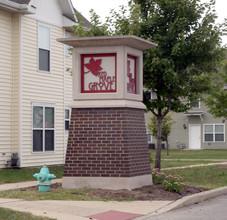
point(107, 142)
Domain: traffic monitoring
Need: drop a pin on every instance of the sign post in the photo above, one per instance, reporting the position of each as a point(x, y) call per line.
point(107, 145)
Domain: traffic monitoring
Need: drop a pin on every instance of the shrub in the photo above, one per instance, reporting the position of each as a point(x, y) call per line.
point(169, 182)
point(173, 183)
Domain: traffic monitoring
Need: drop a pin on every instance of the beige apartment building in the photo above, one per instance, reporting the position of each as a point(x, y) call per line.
point(35, 88)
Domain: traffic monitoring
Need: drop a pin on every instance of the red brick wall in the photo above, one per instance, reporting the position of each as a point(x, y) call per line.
point(107, 142)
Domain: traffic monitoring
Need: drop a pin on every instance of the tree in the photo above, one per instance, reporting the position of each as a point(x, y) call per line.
point(167, 123)
point(189, 50)
point(216, 100)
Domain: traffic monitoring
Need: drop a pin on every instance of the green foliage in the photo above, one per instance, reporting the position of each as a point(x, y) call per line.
point(188, 53)
point(157, 177)
point(216, 101)
point(206, 177)
point(169, 182)
point(173, 183)
point(124, 21)
point(96, 27)
point(167, 122)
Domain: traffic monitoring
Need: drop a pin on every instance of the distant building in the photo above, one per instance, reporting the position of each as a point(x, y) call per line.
point(195, 129)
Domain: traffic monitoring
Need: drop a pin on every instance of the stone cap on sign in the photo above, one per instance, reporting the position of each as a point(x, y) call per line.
point(124, 40)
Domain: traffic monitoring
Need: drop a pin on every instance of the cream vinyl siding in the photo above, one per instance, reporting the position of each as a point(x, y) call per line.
point(7, 114)
point(42, 87)
point(68, 90)
point(68, 81)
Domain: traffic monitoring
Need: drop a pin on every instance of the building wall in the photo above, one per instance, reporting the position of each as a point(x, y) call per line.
point(6, 86)
point(48, 11)
point(42, 87)
point(180, 135)
point(22, 84)
point(181, 128)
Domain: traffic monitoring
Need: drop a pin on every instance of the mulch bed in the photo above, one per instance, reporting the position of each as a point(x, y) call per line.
point(153, 192)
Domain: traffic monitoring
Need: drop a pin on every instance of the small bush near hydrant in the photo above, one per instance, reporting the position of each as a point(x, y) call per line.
point(169, 182)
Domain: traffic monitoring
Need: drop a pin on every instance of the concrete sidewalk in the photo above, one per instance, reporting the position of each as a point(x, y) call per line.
point(76, 210)
point(84, 210)
point(80, 210)
point(195, 165)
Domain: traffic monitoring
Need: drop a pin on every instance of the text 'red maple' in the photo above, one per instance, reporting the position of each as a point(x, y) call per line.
point(103, 82)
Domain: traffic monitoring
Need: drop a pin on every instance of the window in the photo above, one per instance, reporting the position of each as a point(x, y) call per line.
point(67, 119)
point(149, 137)
point(149, 94)
point(214, 133)
point(43, 128)
point(195, 104)
point(44, 48)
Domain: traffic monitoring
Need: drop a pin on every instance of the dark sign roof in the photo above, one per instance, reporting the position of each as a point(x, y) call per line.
point(20, 1)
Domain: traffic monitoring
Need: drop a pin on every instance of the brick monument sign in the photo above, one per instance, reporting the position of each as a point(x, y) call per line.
point(107, 145)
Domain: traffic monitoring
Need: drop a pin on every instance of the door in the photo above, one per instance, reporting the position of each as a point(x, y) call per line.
point(194, 137)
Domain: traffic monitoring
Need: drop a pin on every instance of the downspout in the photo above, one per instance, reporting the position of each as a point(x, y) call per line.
point(64, 151)
point(20, 87)
point(13, 91)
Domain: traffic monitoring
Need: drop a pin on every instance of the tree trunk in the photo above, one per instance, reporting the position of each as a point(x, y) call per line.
point(159, 144)
point(167, 146)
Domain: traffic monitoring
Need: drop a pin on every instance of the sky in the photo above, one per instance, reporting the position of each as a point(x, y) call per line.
point(103, 7)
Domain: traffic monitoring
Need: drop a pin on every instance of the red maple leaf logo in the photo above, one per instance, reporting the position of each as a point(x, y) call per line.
point(94, 66)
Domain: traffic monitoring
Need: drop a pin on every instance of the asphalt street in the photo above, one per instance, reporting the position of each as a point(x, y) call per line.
point(214, 209)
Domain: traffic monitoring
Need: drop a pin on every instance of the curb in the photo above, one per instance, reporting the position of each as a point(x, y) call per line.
point(187, 201)
point(193, 199)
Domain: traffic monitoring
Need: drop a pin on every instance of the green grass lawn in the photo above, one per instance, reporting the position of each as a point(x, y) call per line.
point(202, 177)
point(205, 177)
point(58, 194)
point(208, 177)
point(8, 214)
point(25, 174)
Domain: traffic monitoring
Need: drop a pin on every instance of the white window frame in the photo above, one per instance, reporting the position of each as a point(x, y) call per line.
point(44, 105)
point(213, 133)
point(49, 49)
point(148, 133)
point(67, 119)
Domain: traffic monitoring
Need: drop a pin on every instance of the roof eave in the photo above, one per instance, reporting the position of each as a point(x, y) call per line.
point(17, 8)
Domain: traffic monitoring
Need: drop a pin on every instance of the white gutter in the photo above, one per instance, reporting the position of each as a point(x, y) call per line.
point(72, 9)
point(15, 7)
point(20, 86)
point(64, 151)
point(13, 93)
